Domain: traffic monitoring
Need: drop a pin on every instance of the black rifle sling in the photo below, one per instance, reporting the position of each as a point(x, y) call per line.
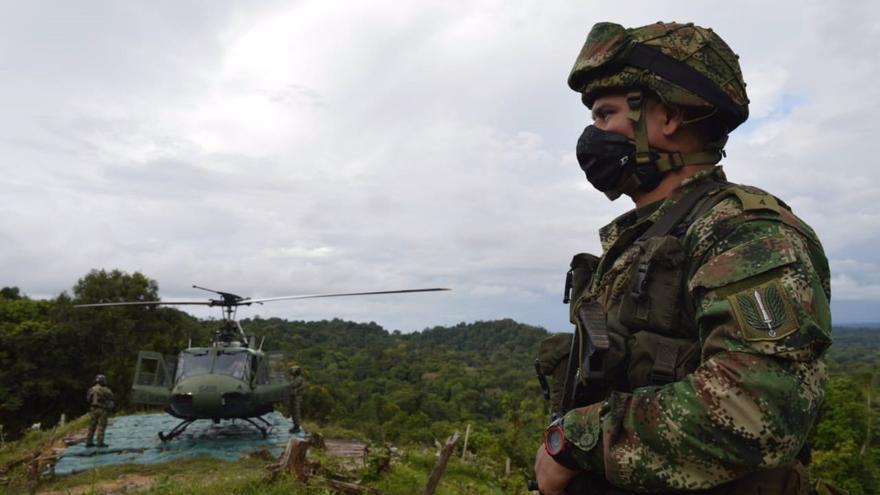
point(674, 215)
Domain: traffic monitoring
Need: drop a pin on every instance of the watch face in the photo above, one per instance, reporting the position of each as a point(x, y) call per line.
point(554, 440)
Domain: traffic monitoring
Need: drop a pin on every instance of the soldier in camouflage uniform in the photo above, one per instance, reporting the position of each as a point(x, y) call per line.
point(294, 405)
point(709, 306)
point(100, 399)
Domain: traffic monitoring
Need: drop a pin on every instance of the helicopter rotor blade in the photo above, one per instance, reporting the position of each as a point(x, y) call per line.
point(245, 302)
point(142, 303)
point(239, 301)
point(225, 295)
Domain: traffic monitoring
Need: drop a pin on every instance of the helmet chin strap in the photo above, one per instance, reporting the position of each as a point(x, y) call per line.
point(663, 162)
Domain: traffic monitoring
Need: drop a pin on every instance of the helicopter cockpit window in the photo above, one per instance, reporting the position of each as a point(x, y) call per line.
point(232, 364)
point(193, 363)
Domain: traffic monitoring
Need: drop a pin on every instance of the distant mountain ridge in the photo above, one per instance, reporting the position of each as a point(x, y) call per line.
point(874, 325)
point(480, 336)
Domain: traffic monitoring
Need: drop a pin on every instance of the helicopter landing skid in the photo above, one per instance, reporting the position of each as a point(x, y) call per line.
point(177, 430)
point(263, 430)
point(181, 427)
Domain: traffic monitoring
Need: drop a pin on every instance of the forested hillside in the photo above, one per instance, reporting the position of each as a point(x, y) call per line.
point(391, 387)
point(51, 351)
point(847, 441)
point(419, 386)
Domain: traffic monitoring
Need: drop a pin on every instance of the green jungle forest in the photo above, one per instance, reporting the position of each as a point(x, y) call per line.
point(409, 391)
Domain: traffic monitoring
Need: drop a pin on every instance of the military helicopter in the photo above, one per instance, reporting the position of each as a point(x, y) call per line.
point(230, 379)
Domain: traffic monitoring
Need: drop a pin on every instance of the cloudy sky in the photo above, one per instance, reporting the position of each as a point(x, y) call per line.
point(275, 148)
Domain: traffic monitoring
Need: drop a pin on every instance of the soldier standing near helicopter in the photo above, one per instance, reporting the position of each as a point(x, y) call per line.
point(703, 324)
point(100, 399)
point(297, 387)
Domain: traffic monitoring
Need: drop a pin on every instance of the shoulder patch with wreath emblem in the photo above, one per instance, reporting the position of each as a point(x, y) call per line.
point(764, 312)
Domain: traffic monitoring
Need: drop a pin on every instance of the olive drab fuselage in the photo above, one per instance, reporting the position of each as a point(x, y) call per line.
point(715, 332)
point(211, 383)
point(229, 383)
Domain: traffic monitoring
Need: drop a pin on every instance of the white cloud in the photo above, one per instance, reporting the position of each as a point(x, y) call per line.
point(301, 147)
point(855, 280)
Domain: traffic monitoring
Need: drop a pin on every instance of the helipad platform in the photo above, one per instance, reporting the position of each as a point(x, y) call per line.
point(134, 439)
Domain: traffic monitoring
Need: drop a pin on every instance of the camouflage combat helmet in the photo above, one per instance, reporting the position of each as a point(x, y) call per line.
point(684, 64)
point(294, 370)
point(101, 379)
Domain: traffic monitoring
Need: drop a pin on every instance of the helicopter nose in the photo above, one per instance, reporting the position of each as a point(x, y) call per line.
point(182, 404)
point(208, 396)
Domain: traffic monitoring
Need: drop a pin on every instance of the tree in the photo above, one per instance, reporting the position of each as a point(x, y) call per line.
point(10, 293)
point(109, 338)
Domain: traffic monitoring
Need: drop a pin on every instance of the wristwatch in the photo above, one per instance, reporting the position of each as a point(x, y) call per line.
point(559, 448)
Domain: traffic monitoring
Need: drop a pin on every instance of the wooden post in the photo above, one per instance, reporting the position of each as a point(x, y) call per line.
point(293, 460)
point(298, 464)
point(507, 468)
point(445, 452)
point(467, 434)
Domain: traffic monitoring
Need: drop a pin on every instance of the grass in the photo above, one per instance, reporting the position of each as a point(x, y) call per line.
point(15, 456)
point(248, 476)
point(474, 477)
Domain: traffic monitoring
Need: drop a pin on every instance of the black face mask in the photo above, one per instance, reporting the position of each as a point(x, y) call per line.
point(607, 158)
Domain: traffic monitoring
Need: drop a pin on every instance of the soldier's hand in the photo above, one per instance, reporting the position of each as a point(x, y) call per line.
point(552, 477)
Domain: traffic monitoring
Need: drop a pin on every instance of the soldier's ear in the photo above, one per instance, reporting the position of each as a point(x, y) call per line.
point(672, 119)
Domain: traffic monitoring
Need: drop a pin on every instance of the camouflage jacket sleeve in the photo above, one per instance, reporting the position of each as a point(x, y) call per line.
point(759, 286)
point(298, 384)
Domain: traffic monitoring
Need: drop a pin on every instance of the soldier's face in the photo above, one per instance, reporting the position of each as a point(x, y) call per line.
point(610, 114)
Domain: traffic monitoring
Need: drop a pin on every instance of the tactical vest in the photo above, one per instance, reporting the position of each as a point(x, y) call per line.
point(636, 321)
point(99, 397)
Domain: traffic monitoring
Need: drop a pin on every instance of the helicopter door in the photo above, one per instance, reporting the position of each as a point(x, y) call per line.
point(153, 379)
point(278, 388)
point(277, 371)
